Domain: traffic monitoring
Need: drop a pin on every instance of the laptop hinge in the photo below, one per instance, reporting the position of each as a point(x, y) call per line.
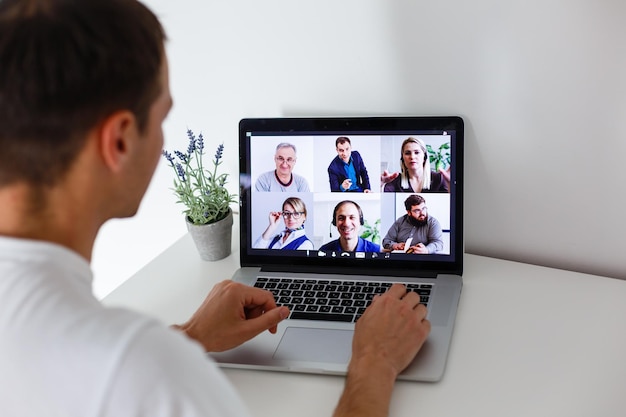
point(350, 271)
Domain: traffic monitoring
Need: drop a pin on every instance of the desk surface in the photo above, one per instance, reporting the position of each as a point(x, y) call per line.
point(528, 341)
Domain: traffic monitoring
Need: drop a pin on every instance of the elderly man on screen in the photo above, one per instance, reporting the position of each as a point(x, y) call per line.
point(282, 179)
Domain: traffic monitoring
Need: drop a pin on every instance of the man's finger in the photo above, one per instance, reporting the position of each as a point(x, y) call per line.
point(396, 290)
point(266, 321)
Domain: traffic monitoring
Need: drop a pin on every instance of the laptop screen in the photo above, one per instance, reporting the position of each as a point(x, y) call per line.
point(379, 195)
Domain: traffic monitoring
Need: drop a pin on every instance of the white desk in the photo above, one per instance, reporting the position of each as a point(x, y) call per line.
point(529, 341)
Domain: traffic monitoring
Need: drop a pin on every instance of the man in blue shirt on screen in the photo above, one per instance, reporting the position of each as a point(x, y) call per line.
point(347, 171)
point(348, 218)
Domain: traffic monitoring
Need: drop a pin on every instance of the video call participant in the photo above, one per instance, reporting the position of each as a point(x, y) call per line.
point(348, 218)
point(282, 178)
point(293, 236)
point(423, 230)
point(347, 171)
point(415, 174)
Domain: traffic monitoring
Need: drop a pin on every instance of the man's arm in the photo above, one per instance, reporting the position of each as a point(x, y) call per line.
point(391, 237)
point(261, 183)
point(435, 236)
point(365, 179)
point(386, 339)
point(333, 177)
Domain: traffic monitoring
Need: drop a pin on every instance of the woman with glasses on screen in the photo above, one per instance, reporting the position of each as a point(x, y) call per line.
point(293, 236)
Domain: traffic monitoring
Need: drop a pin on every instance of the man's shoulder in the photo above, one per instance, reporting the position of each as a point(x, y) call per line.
point(332, 245)
point(266, 176)
point(432, 221)
point(299, 178)
point(264, 181)
point(369, 246)
point(402, 219)
point(335, 163)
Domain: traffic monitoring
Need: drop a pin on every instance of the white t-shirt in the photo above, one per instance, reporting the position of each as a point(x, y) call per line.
point(62, 353)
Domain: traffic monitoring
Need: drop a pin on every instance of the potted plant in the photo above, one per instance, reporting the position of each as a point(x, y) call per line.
point(371, 232)
point(440, 158)
point(205, 197)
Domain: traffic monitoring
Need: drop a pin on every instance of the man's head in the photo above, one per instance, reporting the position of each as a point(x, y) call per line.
point(65, 66)
point(348, 217)
point(285, 158)
point(416, 209)
point(344, 148)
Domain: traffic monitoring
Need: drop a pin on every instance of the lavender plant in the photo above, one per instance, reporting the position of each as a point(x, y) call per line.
point(202, 191)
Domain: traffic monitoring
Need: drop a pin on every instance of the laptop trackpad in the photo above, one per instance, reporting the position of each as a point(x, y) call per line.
point(315, 345)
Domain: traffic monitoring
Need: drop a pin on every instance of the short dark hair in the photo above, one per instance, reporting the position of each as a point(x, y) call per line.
point(343, 203)
point(342, 139)
point(413, 200)
point(65, 65)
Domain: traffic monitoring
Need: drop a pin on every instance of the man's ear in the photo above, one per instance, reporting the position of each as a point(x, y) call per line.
point(116, 135)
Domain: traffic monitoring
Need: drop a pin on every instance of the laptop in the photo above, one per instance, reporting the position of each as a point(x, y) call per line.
point(319, 219)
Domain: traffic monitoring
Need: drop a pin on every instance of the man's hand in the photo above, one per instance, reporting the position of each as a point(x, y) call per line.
point(392, 329)
point(419, 248)
point(346, 184)
point(397, 246)
point(387, 337)
point(231, 314)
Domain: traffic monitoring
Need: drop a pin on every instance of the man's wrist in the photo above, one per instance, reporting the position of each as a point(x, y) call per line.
point(369, 385)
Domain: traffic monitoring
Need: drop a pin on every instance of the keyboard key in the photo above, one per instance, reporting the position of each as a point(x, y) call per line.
point(322, 316)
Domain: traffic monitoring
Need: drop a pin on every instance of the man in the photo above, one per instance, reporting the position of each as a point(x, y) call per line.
point(347, 171)
point(83, 93)
point(348, 218)
point(282, 178)
point(424, 231)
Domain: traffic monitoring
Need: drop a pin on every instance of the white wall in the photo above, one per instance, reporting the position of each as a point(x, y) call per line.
point(541, 86)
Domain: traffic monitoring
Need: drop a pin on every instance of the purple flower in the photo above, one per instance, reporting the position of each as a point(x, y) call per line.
point(191, 147)
point(180, 171)
point(200, 142)
point(218, 153)
point(183, 158)
point(190, 135)
point(168, 156)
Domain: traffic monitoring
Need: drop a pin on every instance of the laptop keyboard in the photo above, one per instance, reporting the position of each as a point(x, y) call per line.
point(330, 300)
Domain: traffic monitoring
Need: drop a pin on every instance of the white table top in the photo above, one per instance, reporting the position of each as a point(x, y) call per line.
point(528, 341)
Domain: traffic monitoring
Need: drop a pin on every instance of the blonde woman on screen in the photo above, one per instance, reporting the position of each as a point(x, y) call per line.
point(415, 173)
point(293, 236)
